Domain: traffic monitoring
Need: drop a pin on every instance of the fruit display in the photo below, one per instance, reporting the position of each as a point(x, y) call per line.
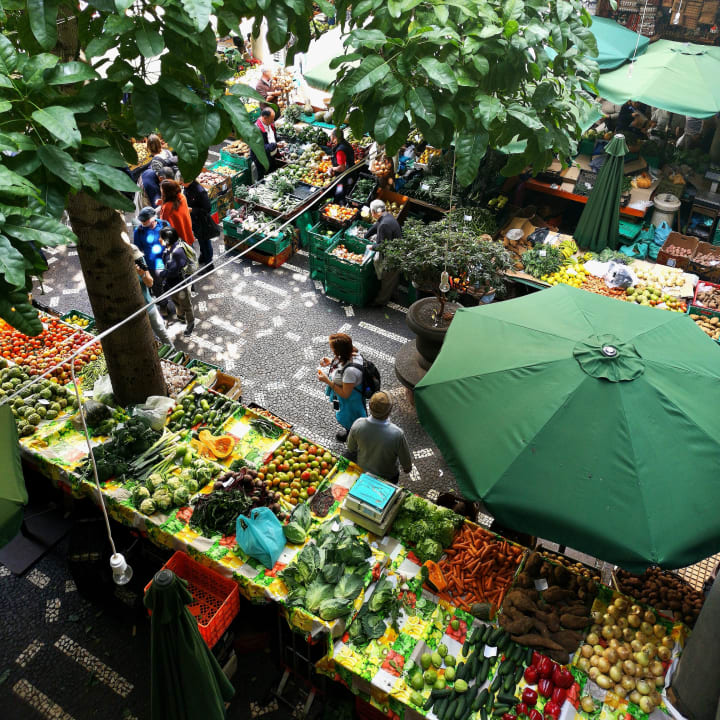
point(55, 343)
point(659, 276)
point(707, 295)
point(627, 651)
point(201, 407)
point(92, 372)
point(427, 154)
point(664, 590)
point(272, 417)
point(709, 325)
point(77, 320)
point(573, 274)
point(237, 148)
point(548, 619)
point(572, 565)
point(677, 251)
point(394, 208)
point(339, 212)
point(225, 170)
point(548, 685)
point(45, 400)
point(433, 189)
point(650, 295)
point(176, 377)
point(209, 179)
point(255, 222)
point(597, 285)
point(296, 469)
point(344, 254)
point(708, 259)
point(317, 175)
point(382, 167)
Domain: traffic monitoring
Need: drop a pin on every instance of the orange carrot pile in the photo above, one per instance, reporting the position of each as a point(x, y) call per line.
point(479, 567)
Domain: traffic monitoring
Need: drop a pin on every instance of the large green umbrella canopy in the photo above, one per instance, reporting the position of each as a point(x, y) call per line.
point(585, 420)
point(187, 681)
point(598, 225)
point(673, 76)
point(13, 495)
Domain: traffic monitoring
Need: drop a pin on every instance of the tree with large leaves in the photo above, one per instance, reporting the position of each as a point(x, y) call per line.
point(475, 74)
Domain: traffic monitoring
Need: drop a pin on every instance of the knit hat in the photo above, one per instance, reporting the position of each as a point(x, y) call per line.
point(380, 405)
point(145, 214)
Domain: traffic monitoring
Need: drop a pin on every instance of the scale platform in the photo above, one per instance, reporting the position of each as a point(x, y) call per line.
point(372, 503)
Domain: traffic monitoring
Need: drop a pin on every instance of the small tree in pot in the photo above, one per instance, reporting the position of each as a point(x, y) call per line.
point(461, 244)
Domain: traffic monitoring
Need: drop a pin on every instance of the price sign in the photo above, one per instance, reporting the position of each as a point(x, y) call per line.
point(468, 218)
point(542, 253)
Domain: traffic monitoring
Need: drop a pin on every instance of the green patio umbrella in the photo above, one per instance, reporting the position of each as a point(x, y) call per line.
point(674, 76)
point(598, 225)
point(585, 420)
point(13, 495)
point(187, 682)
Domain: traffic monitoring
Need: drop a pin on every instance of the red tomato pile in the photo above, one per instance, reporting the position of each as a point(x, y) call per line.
point(51, 346)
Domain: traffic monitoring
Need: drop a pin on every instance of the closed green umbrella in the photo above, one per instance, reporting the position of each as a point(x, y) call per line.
point(585, 420)
point(187, 681)
point(598, 226)
point(13, 495)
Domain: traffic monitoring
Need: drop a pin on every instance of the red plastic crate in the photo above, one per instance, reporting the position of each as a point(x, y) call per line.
point(699, 288)
point(216, 600)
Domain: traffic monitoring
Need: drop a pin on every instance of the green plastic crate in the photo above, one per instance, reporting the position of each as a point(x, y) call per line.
point(237, 161)
point(272, 245)
point(304, 223)
point(358, 223)
point(344, 269)
point(319, 240)
point(353, 292)
point(84, 316)
point(318, 267)
point(233, 230)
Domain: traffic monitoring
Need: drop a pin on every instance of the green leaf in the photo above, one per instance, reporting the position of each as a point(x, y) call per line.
point(122, 5)
point(199, 11)
point(487, 109)
point(398, 139)
point(35, 231)
point(439, 73)
point(564, 10)
point(59, 122)
point(70, 72)
point(371, 71)
point(34, 68)
point(336, 62)
point(146, 104)
point(112, 177)
point(5, 81)
point(5, 106)
point(112, 199)
point(13, 184)
point(277, 27)
point(490, 31)
point(99, 46)
point(511, 27)
point(12, 263)
point(89, 180)
point(118, 24)
point(180, 91)
point(149, 41)
point(512, 9)
point(395, 8)
point(481, 64)
point(470, 148)
point(61, 164)
point(207, 125)
point(246, 91)
point(17, 311)
point(422, 104)
point(441, 13)
point(245, 127)
point(8, 56)
point(42, 15)
point(526, 116)
point(105, 156)
point(387, 121)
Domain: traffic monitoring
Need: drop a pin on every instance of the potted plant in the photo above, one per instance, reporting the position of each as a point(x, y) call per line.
point(460, 245)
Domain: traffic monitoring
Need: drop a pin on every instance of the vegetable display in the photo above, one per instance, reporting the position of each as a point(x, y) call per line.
point(343, 253)
point(381, 608)
point(363, 187)
point(176, 377)
point(425, 526)
point(339, 212)
point(92, 372)
point(202, 407)
point(298, 524)
point(542, 260)
point(327, 575)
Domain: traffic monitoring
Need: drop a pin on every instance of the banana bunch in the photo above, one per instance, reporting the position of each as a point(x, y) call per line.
point(499, 202)
point(568, 248)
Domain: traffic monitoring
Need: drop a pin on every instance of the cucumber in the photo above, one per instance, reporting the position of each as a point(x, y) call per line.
point(437, 693)
point(460, 670)
point(500, 710)
point(466, 647)
point(483, 714)
point(487, 629)
point(509, 682)
point(528, 656)
point(506, 668)
point(495, 685)
point(461, 709)
point(518, 674)
point(484, 670)
point(494, 636)
point(429, 703)
point(506, 699)
point(472, 666)
point(503, 642)
point(449, 713)
point(439, 707)
point(480, 700)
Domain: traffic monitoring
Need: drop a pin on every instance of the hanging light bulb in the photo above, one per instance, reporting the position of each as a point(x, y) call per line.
point(676, 16)
point(122, 572)
point(444, 282)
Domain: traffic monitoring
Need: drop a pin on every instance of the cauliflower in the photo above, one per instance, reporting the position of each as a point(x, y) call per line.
point(147, 506)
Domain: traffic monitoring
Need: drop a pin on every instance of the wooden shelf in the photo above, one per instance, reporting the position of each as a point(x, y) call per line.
point(547, 189)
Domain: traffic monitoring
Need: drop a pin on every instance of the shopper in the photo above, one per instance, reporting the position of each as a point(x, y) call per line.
point(386, 227)
point(160, 157)
point(376, 444)
point(149, 193)
point(343, 157)
point(203, 226)
point(173, 275)
point(147, 282)
point(343, 377)
point(691, 133)
point(266, 125)
point(147, 239)
point(175, 210)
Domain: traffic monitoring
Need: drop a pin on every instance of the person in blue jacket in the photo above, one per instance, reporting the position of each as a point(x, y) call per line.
point(147, 239)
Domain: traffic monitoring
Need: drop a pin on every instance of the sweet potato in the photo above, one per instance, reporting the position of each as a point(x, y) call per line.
point(534, 640)
point(550, 619)
point(524, 580)
point(559, 656)
point(516, 627)
point(520, 599)
point(555, 594)
point(569, 639)
point(576, 610)
point(533, 564)
point(574, 622)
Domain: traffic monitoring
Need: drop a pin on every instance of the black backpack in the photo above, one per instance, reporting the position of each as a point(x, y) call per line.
point(370, 378)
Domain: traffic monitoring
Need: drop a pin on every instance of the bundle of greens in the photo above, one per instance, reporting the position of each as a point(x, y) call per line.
point(313, 134)
point(327, 575)
point(542, 260)
point(296, 529)
point(425, 526)
point(608, 254)
point(371, 621)
point(218, 511)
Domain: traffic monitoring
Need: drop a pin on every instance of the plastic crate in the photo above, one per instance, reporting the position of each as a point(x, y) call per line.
point(677, 240)
point(706, 271)
point(389, 196)
point(318, 267)
point(365, 199)
point(230, 229)
point(216, 600)
point(319, 240)
point(705, 312)
point(333, 222)
point(271, 245)
point(268, 259)
point(84, 316)
point(222, 204)
point(702, 287)
point(304, 224)
point(220, 187)
point(241, 162)
point(357, 224)
point(339, 268)
point(352, 292)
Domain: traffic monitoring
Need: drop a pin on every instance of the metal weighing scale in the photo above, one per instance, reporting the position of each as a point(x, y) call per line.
point(704, 214)
point(372, 504)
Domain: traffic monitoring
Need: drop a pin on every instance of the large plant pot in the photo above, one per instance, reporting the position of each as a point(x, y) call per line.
point(415, 358)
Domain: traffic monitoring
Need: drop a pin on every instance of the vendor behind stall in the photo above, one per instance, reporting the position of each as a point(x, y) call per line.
point(266, 125)
point(265, 88)
point(343, 157)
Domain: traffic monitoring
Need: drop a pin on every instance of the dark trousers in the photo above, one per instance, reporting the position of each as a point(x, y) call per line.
point(206, 250)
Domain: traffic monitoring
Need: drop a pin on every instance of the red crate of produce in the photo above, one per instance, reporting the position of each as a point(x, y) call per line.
point(216, 600)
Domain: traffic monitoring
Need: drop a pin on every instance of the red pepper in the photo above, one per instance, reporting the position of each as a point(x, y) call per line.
point(529, 696)
point(559, 695)
point(531, 675)
point(509, 716)
point(521, 709)
point(562, 677)
point(552, 709)
point(536, 658)
point(535, 714)
point(545, 687)
point(545, 669)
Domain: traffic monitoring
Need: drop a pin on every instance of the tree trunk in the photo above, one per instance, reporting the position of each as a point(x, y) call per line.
point(114, 292)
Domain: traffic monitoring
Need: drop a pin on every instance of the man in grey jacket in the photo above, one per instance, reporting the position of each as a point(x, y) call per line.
point(376, 444)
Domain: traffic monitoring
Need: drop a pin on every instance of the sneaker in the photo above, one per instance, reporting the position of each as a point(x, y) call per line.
point(189, 329)
point(341, 436)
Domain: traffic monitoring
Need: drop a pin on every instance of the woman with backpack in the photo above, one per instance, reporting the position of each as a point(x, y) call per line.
point(203, 226)
point(174, 210)
point(176, 264)
point(343, 376)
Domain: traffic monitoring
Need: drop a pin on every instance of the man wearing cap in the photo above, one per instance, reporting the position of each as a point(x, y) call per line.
point(376, 444)
point(386, 227)
point(147, 239)
point(146, 282)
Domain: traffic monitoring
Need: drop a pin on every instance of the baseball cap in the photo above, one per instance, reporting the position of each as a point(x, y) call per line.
point(145, 214)
point(380, 405)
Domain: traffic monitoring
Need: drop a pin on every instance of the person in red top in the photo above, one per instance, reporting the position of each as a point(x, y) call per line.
point(343, 157)
point(175, 210)
point(266, 125)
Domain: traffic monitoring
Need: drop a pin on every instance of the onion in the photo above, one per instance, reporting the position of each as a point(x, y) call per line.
point(595, 629)
point(655, 697)
point(586, 651)
point(659, 681)
point(620, 603)
point(607, 631)
point(613, 610)
point(598, 649)
point(604, 682)
point(634, 621)
point(664, 653)
point(646, 704)
point(593, 639)
point(587, 704)
point(611, 655)
point(617, 631)
point(615, 673)
point(620, 691)
point(583, 663)
point(636, 646)
point(607, 619)
point(659, 631)
point(594, 661)
point(650, 650)
point(643, 687)
point(623, 652)
point(593, 673)
point(634, 696)
point(622, 622)
point(640, 636)
point(603, 665)
point(628, 683)
point(642, 659)
point(636, 610)
point(668, 642)
point(650, 617)
point(629, 667)
point(646, 627)
point(614, 644)
point(596, 616)
point(628, 634)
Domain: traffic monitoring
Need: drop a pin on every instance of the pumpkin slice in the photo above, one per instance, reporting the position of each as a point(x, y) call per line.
point(220, 446)
point(436, 579)
point(202, 450)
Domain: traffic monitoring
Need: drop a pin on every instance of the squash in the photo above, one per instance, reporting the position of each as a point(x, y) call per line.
point(643, 181)
point(220, 446)
point(202, 450)
point(482, 611)
point(436, 579)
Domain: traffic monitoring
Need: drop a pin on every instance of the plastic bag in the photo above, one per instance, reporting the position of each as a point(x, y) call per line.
point(618, 276)
point(260, 536)
point(537, 236)
point(155, 411)
point(103, 390)
point(661, 233)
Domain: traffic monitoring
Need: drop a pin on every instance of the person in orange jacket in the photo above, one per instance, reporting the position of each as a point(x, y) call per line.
point(174, 210)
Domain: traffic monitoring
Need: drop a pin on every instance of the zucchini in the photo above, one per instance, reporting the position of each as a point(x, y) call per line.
point(178, 357)
point(461, 708)
point(163, 351)
point(518, 674)
point(480, 700)
point(449, 713)
point(506, 699)
point(500, 710)
point(494, 636)
point(484, 670)
point(508, 683)
point(483, 714)
point(485, 633)
point(497, 681)
point(437, 693)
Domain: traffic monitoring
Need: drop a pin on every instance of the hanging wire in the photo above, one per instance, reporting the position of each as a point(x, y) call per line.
point(639, 35)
